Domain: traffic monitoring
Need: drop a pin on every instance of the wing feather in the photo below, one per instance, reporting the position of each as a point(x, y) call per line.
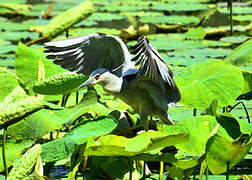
point(153, 67)
point(87, 53)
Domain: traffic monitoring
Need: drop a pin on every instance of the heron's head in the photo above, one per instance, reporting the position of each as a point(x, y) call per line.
point(97, 77)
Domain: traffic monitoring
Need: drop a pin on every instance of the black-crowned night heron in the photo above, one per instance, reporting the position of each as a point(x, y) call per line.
point(143, 81)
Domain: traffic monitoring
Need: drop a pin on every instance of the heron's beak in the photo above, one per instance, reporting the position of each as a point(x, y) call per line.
point(89, 81)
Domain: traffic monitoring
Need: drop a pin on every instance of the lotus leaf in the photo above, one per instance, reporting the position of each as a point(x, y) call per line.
point(26, 64)
point(146, 142)
point(13, 151)
point(62, 148)
point(202, 82)
point(242, 55)
point(220, 151)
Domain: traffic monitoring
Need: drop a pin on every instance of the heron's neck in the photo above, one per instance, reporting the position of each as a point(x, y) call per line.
point(112, 84)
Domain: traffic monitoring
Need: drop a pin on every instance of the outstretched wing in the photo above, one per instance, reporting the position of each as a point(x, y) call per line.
point(87, 53)
point(153, 67)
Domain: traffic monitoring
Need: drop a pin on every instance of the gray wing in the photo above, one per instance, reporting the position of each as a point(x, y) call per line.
point(87, 53)
point(153, 68)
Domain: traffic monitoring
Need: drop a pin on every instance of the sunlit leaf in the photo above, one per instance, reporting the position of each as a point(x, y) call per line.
point(195, 33)
point(235, 39)
point(63, 83)
point(26, 64)
point(45, 121)
point(247, 87)
point(206, 52)
point(67, 19)
point(13, 151)
point(170, 19)
point(11, 113)
point(220, 151)
point(199, 129)
point(23, 166)
point(202, 82)
point(242, 55)
point(146, 142)
point(8, 81)
point(62, 148)
point(179, 6)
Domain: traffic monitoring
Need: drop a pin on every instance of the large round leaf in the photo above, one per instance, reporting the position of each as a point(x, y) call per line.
point(202, 82)
point(220, 151)
point(147, 142)
point(199, 129)
point(26, 64)
point(8, 81)
point(62, 148)
point(63, 83)
point(13, 150)
point(23, 167)
point(242, 55)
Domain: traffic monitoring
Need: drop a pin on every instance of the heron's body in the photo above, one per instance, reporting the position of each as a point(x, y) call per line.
point(149, 89)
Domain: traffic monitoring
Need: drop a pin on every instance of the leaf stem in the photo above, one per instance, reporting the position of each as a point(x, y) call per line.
point(144, 170)
point(244, 107)
point(207, 173)
point(77, 98)
point(231, 16)
point(194, 112)
point(227, 173)
point(4, 152)
point(161, 171)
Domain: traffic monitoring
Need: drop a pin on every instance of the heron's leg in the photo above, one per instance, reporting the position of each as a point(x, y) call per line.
point(144, 118)
point(165, 118)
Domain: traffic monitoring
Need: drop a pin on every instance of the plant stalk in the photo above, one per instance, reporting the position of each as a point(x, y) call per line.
point(194, 112)
point(161, 171)
point(144, 170)
point(231, 16)
point(227, 173)
point(4, 152)
point(77, 98)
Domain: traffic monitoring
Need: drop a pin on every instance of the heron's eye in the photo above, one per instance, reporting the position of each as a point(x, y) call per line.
point(97, 76)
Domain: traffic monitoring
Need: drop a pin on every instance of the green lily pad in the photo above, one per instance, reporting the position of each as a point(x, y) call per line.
point(23, 166)
point(242, 55)
point(67, 19)
point(26, 64)
point(8, 61)
point(8, 49)
point(86, 23)
point(247, 87)
point(146, 142)
point(170, 19)
point(202, 82)
point(177, 44)
point(181, 60)
point(8, 82)
point(141, 14)
point(62, 148)
point(179, 6)
point(11, 113)
point(235, 39)
point(13, 150)
point(195, 33)
point(45, 121)
point(243, 18)
point(86, 31)
point(63, 83)
point(109, 17)
point(220, 151)
point(115, 7)
point(199, 129)
point(206, 52)
point(237, 10)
